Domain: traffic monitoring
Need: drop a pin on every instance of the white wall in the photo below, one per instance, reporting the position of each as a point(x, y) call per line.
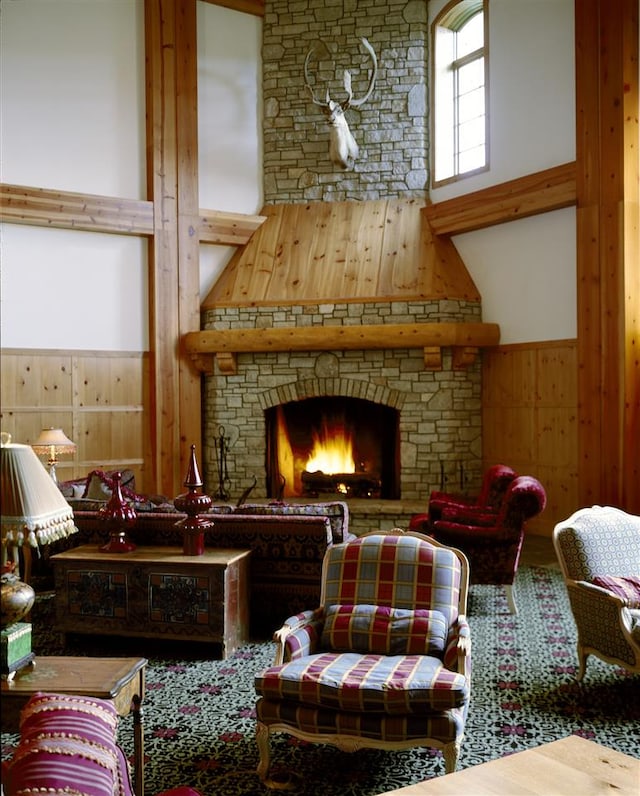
point(526, 270)
point(73, 118)
point(230, 116)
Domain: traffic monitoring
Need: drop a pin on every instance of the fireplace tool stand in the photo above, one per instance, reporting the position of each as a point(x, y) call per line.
point(224, 482)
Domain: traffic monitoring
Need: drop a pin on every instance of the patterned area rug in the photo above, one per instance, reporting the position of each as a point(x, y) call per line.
point(199, 718)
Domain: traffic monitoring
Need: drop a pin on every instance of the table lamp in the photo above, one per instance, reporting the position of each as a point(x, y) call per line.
point(53, 441)
point(33, 512)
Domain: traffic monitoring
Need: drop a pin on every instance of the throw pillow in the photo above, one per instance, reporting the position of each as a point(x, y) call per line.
point(384, 630)
point(67, 739)
point(626, 587)
point(99, 485)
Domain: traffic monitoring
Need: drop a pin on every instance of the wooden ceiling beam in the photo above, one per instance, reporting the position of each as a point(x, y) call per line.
point(40, 207)
point(234, 229)
point(536, 193)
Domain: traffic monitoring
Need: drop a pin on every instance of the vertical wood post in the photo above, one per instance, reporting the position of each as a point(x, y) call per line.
point(172, 185)
point(607, 245)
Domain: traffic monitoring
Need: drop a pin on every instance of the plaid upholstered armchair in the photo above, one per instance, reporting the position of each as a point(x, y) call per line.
point(384, 662)
point(599, 553)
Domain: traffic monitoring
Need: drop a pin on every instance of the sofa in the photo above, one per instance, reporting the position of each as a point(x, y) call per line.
point(288, 542)
point(68, 744)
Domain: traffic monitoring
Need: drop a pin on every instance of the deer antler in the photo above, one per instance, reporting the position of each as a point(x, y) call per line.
point(351, 103)
point(342, 147)
point(307, 79)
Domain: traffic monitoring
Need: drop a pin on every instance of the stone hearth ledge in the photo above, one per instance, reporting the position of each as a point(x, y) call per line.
point(221, 346)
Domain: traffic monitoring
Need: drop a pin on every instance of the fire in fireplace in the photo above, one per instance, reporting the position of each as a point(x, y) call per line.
point(333, 444)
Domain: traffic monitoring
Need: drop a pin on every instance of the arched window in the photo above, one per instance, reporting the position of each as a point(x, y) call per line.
point(459, 99)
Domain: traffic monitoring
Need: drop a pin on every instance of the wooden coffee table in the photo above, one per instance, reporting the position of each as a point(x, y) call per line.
point(570, 766)
point(120, 680)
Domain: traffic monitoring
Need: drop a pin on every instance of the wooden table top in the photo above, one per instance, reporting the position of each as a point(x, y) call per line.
point(98, 677)
point(569, 767)
point(91, 553)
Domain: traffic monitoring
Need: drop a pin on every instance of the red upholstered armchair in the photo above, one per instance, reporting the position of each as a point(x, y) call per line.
point(494, 486)
point(492, 542)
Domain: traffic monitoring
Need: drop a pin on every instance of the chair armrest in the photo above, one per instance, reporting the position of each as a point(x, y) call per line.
point(589, 601)
point(464, 531)
point(598, 592)
point(299, 636)
point(457, 655)
point(469, 515)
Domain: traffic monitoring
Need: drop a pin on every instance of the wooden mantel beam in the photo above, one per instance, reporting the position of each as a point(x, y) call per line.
point(541, 192)
point(226, 343)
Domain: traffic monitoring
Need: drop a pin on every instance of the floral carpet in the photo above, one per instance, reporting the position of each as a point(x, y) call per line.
point(199, 712)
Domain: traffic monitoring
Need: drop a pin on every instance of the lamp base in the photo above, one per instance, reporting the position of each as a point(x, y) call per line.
point(118, 543)
point(16, 649)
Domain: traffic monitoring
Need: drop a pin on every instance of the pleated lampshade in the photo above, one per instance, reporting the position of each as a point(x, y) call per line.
point(33, 510)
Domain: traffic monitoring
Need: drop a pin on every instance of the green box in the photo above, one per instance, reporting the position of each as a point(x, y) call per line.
point(16, 647)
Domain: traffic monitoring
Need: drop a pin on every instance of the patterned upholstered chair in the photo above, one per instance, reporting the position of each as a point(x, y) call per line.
point(599, 553)
point(384, 662)
point(494, 486)
point(493, 542)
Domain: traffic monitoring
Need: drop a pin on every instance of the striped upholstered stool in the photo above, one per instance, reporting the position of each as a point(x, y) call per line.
point(68, 745)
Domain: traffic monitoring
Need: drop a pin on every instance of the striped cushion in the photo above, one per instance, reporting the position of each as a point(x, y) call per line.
point(443, 726)
point(391, 684)
point(67, 741)
point(385, 630)
point(627, 588)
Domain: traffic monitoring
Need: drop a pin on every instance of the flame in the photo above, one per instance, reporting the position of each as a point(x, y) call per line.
point(332, 450)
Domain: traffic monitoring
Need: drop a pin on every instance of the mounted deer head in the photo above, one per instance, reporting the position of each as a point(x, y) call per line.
point(343, 149)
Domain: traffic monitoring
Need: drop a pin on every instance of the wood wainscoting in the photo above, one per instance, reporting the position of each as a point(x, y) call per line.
point(99, 399)
point(530, 420)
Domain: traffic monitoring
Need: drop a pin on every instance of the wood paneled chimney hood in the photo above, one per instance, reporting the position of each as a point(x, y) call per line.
point(336, 252)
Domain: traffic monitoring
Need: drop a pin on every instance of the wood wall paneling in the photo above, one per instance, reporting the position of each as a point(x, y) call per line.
point(530, 420)
point(96, 397)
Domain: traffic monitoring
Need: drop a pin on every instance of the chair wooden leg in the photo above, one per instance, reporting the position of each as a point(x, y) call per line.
point(511, 600)
point(286, 780)
point(582, 663)
point(262, 739)
point(451, 753)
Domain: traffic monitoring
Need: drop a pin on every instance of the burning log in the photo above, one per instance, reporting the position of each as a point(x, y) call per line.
point(362, 484)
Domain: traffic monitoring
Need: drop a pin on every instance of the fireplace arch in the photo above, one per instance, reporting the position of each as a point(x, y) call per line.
point(339, 444)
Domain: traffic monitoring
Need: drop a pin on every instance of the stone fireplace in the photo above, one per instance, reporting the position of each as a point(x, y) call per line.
point(436, 412)
point(346, 263)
